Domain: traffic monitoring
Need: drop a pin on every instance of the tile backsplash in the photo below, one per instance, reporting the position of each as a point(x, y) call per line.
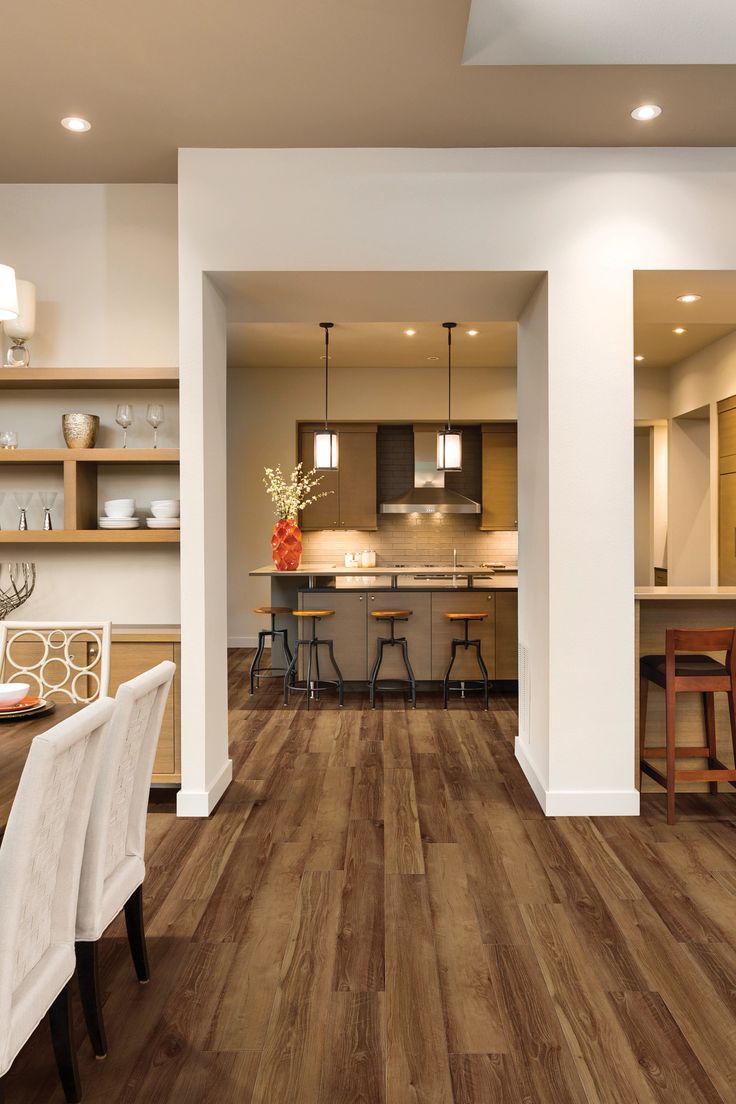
point(426, 538)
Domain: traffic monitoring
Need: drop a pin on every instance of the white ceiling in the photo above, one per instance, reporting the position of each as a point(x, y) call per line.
point(601, 32)
point(657, 313)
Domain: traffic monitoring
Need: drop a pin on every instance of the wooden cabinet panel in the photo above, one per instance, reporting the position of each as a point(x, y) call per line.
point(507, 634)
point(443, 631)
point(346, 629)
point(417, 630)
point(131, 659)
point(357, 480)
point(727, 432)
point(727, 530)
point(499, 477)
point(325, 512)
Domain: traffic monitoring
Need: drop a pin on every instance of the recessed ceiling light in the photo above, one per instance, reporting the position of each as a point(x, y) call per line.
point(689, 298)
point(472, 333)
point(644, 113)
point(638, 357)
point(410, 333)
point(679, 330)
point(76, 123)
point(433, 358)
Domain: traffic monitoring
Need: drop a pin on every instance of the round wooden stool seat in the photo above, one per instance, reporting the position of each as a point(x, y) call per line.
point(313, 613)
point(271, 609)
point(386, 615)
point(466, 616)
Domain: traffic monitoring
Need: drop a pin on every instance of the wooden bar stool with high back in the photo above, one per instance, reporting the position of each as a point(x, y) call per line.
point(256, 671)
point(392, 641)
point(465, 642)
point(313, 686)
point(696, 672)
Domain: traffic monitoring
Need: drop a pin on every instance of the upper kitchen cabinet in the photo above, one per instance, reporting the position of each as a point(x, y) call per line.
point(353, 503)
point(727, 492)
point(499, 476)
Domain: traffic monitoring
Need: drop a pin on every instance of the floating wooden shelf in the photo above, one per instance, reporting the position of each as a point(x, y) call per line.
point(93, 456)
point(21, 379)
point(89, 536)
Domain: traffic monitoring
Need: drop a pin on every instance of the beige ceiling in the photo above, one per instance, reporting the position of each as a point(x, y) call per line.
point(657, 313)
point(153, 77)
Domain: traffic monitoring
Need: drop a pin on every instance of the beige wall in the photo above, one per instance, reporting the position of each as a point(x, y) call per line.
point(104, 260)
point(263, 409)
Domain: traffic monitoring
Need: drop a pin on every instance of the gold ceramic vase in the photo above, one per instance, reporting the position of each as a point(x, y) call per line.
point(80, 430)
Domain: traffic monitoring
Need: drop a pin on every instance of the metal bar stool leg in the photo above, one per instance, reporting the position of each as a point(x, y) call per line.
point(283, 636)
point(446, 681)
point(376, 668)
point(338, 672)
point(483, 670)
point(309, 671)
point(289, 676)
point(257, 660)
point(410, 672)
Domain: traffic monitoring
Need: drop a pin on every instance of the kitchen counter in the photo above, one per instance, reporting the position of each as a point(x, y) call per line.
point(682, 593)
point(465, 577)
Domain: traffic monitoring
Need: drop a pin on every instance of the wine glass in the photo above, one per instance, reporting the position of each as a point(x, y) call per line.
point(154, 417)
point(124, 418)
point(48, 498)
point(22, 501)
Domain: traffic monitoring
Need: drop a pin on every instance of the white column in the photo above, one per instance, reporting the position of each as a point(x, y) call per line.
point(576, 540)
point(206, 767)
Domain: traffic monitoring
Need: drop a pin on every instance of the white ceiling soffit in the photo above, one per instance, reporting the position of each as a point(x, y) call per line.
point(601, 32)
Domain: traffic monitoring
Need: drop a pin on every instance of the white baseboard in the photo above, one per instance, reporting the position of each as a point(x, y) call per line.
point(576, 802)
point(243, 642)
point(200, 803)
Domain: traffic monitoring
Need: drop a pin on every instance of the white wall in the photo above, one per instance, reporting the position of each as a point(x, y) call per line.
point(587, 217)
point(104, 260)
point(689, 527)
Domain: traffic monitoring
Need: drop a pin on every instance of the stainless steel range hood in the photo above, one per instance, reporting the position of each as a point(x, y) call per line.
point(429, 496)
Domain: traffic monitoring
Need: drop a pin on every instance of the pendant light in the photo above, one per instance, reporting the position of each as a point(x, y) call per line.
point(449, 441)
point(325, 442)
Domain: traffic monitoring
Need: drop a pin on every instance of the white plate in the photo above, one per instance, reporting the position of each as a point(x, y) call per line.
point(162, 523)
point(118, 523)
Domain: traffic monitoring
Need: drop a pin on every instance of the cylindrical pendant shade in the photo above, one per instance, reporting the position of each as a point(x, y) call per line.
point(325, 450)
point(8, 293)
point(23, 327)
point(449, 450)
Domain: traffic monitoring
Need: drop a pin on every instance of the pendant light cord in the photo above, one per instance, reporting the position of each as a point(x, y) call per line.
point(449, 326)
point(327, 326)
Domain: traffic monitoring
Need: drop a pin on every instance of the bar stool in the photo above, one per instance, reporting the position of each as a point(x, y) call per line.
point(256, 673)
point(465, 642)
point(390, 642)
point(312, 687)
point(694, 673)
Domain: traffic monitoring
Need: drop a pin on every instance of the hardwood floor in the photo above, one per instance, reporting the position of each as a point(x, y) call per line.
point(378, 913)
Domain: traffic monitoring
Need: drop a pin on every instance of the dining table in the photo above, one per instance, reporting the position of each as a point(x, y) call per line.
point(15, 743)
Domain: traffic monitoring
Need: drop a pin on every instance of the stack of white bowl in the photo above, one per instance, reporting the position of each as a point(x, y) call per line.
point(165, 513)
point(119, 514)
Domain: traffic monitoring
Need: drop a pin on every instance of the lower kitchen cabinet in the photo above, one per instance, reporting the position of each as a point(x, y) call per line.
point(507, 634)
point(443, 631)
point(134, 652)
point(347, 630)
point(417, 630)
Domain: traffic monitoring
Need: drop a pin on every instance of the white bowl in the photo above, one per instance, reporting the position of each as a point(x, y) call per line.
point(120, 507)
point(13, 692)
point(165, 508)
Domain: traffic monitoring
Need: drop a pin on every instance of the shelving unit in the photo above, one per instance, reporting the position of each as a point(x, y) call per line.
point(24, 379)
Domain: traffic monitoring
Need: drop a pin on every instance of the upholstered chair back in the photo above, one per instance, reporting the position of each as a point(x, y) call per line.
point(64, 661)
point(40, 863)
point(113, 865)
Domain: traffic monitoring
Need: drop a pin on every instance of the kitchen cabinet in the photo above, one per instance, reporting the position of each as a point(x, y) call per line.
point(417, 630)
point(499, 504)
point(507, 634)
point(134, 652)
point(443, 631)
point(727, 492)
point(346, 628)
point(352, 503)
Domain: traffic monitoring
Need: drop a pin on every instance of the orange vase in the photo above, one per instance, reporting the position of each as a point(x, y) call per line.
point(286, 545)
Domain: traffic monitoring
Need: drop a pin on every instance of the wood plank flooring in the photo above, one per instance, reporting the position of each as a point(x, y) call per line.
point(378, 913)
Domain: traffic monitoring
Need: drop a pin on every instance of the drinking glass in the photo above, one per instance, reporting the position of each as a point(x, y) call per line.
point(48, 498)
point(8, 439)
point(124, 418)
point(22, 501)
point(154, 417)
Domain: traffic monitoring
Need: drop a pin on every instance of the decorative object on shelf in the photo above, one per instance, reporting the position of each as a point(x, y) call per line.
point(80, 430)
point(449, 441)
point(325, 442)
point(8, 294)
point(288, 499)
point(8, 439)
point(120, 508)
point(17, 588)
point(48, 498)
point(154, 417)
point(165, 508)
point(124, 418)
point(23, 501)
point(23, 327)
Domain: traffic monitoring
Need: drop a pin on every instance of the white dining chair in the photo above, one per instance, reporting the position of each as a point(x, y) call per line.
point(67, 661)
point(113, 868)
point(40, 865)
